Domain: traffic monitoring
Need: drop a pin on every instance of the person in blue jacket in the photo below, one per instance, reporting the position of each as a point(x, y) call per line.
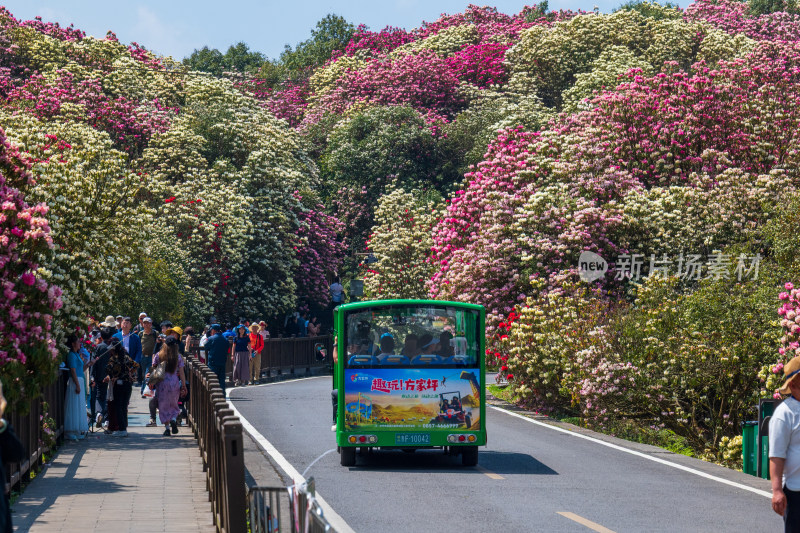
point(130, 341)
point(218, 348)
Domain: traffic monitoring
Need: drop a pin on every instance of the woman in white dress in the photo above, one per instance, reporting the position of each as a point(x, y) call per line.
point(76, 423)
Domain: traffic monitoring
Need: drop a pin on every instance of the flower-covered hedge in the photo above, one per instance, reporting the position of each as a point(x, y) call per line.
point(27, 348)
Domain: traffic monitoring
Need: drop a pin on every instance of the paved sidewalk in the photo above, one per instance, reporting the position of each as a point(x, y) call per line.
point(144, 482)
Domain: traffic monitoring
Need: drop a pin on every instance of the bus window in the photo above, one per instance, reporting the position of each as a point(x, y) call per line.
point(412, 335)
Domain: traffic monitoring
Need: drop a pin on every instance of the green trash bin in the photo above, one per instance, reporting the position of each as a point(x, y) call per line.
point(749, 447)
point(765, 457)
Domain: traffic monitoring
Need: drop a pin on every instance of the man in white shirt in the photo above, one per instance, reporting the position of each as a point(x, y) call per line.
point(784, 450)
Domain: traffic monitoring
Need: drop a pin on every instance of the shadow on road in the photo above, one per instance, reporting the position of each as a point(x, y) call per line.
point(511, 463)
point(508, 463)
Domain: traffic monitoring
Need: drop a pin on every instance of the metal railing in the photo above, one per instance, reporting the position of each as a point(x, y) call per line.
point(28, 428)
point(286, 509)
point(282, 356)
point(219, 435)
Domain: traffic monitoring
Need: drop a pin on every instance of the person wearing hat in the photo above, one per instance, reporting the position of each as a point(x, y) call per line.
point(131, 342)
point(140, 326)
point(118, 321)
point(784, 449)
point(217, 347)
point(149, 339)
point(429, 346)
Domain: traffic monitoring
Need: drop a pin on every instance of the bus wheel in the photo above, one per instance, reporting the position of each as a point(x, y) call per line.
point(469, 455)
point(347, 456)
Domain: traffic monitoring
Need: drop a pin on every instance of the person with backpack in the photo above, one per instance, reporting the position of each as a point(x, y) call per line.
point(172, 385)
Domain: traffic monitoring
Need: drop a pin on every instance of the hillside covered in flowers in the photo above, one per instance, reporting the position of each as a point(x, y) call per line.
point(477, 157)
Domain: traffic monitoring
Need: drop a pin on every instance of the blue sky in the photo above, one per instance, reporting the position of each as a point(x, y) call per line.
point(176, 27)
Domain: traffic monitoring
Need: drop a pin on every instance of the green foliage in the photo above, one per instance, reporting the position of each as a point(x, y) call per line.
point(237, 58)
point(331, 34)
point(537, 11)
point(155, 290)
point(206, 60)
point(765, 7)
point(379, 145)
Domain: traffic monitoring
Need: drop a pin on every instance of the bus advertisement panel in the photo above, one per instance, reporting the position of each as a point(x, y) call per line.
point(412, 398)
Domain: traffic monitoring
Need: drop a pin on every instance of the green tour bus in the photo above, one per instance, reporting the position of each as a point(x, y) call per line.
point(410, 375)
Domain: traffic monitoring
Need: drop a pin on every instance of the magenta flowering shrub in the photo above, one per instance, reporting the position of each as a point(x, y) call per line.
point(319, 252)
point(54, 30)
point(353, 207)
point(473, 250)
point(789, 312)
point(491, 24)
point(480, 64)
point(734, 17)
point(422, 81)
point(376, 43)
point(288, 103)
point(27, 348)
point(144, 56)
point(129, 124)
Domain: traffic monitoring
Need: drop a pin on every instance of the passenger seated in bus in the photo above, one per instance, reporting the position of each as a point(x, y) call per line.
point(429, 347)
point(410, 349)
point(366, 346)
point(445, 349)
point(387, 347)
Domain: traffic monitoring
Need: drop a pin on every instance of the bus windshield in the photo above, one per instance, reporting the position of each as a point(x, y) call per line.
point(412, 336)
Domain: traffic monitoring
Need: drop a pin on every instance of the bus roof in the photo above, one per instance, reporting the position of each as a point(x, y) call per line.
point(386, 303)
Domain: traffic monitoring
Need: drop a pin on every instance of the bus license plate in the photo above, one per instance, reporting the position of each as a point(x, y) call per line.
point(412, 439)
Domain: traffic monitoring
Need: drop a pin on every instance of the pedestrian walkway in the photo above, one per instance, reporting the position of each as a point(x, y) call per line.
point(144, 482)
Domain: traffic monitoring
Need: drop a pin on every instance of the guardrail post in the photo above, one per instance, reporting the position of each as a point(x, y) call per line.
point(236, 499)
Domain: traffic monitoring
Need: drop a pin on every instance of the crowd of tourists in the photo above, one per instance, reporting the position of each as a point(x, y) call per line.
point(113, 358)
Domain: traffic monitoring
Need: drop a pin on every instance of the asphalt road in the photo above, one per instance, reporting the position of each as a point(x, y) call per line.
point(529, 478)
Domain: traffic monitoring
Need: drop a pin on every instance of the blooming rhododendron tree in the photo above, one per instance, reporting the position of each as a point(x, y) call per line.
point(401, 243)
point(27, 346)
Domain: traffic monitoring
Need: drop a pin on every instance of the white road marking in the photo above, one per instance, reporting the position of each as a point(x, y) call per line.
point(638, 454)
point(332, 516)
point(585, 522)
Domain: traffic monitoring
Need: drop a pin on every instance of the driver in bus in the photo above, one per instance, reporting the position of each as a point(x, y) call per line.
point(364, 345)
